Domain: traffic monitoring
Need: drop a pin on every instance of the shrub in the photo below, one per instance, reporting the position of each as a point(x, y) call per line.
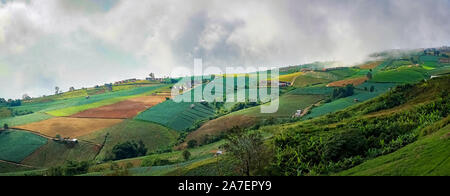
point(129, 149)
point(192, 143)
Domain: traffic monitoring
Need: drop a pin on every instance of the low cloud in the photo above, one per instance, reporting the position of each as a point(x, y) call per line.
point(66, 43)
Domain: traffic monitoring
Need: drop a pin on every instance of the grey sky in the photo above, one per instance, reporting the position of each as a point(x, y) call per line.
point(47, 43)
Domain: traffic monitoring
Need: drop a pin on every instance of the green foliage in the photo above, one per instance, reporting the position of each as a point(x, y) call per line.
point(316, 147)
point(248, 152)
point(129, 149)
point(71, 168)
point(192, 143)
point(426, 157)
point(186, 155)
point(343, 92)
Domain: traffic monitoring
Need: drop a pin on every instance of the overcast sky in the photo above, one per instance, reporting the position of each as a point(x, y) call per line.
point(48, 43)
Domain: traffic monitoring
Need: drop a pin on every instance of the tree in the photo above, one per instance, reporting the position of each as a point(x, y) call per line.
point(56, 90)
point(369, 75)
point(129, 149)
point(186, 155)
point(192, 143)
point(248, 151)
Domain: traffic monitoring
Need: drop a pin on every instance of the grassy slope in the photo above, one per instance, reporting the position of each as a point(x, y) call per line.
point(417, 95)
point(26, 119)
point(400, 75)
point(154, 136)
point(16, 145)
point(428, 156)
point(197, 154)
point(343, 103)
point(54, 154)
point(9, 167)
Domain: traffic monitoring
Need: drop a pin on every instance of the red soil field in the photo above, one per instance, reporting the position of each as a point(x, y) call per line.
point(121, 110)
point(69, 127)
point(371, 65)
point(342, 83)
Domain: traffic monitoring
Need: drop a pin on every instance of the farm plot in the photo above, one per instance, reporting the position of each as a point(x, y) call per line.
point(16, 145)
point(102, 100)
point(344, 72)
point(314, 90)
point(6, 167)
point(402, 75)
point(216, 127)
point(69, 127)
point(56, 153)
point(177, 116)
point(121, 110)
point(440, 71)
point(343, 103)
point(288, 105)
point(25, 119)
point(289, 77)
point(308, 80)
point(154, 136)
point(371, 65)
point(353, 81)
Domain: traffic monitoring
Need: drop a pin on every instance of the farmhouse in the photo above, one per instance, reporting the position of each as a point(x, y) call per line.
point(283, 84)
point(298, 113)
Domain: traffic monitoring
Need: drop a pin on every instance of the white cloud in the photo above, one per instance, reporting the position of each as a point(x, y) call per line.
point(81, 43)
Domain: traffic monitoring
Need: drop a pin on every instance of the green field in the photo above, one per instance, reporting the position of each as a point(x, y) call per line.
point(314, 90)
point(55, 153)
point(402, 75)
point(9, 167)
point(344, 72)
point(288, 105)
point(429, 156)
point(343, 103)
point(440, 71)
point(307, 80)
point(177, 116)
point(154, 136)
point(26, 119)
point(16, 145)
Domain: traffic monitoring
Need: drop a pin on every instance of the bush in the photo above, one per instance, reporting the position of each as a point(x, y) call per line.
point(71, 168)
point(192, 143)
point(129, 149)
point(186, 155)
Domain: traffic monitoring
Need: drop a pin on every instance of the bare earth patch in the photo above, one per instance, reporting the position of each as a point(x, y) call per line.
point(69, 127)
point(122, 110)
point(342, 83)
